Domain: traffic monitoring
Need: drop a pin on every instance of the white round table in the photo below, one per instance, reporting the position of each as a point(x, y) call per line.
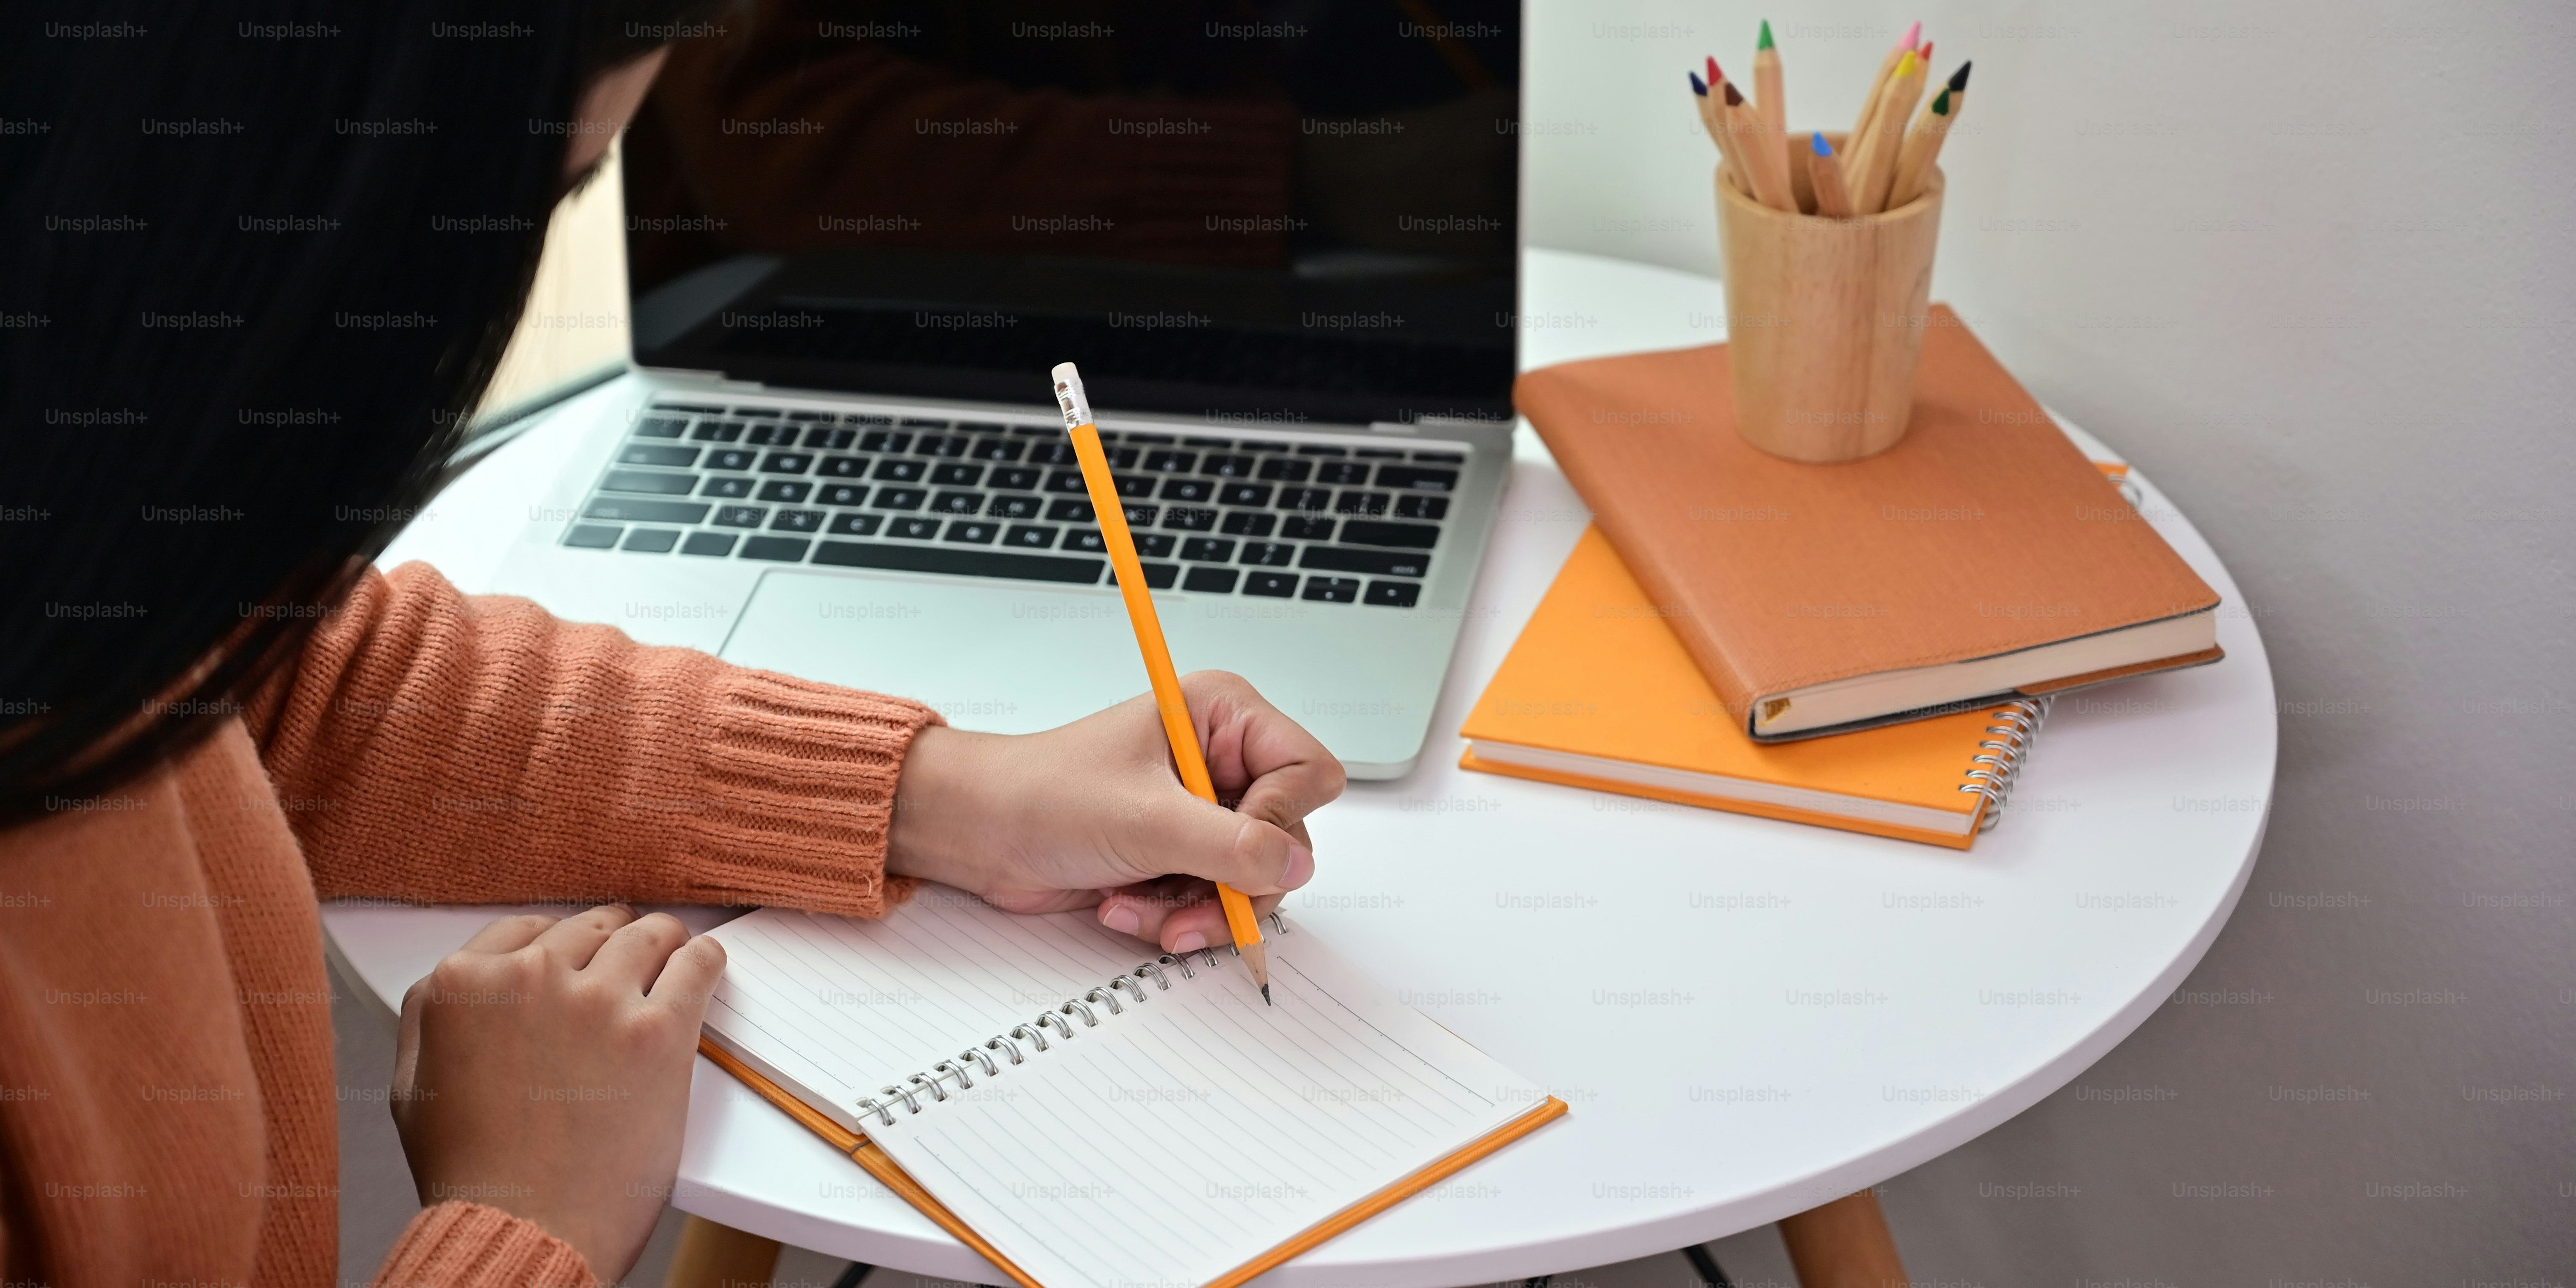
point(1749, 1018)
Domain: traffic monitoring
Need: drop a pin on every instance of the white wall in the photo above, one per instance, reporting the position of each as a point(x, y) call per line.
point(2309, 265)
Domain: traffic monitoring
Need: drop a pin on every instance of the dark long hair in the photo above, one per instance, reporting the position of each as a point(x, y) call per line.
point(253, 274)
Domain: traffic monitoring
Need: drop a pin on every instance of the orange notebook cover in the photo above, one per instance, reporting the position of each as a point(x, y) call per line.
point(1599, 692)
point(1976, 558)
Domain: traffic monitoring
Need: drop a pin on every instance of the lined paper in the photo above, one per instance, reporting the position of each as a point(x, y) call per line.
point(1161, 1147)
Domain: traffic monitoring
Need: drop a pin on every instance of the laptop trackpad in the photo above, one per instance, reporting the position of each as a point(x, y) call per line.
point(1004, 657)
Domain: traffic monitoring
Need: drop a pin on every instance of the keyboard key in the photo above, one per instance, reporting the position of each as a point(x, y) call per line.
point(787, 463)
point(957, 475)
point(797, 521)
point(1142, 516)
point(827, 437)
point(1305, 498)
point(1088, 540)
point(1056, 452)
point(1277, 585)
point(1120, 458)
point(1212, 581)
point(646, 454)
point(782, 549)
point(1207, 442)
point(955, 561)
point(958, 503)
point(1416, 478)
point(1034, 431)
point(1299, 528)
point(769, 412)
point(660, 427)
point(841, 494)
point(1342, 472)
point(731, 458)
point(1228, 467)
point(1029, 535)
point(645, 511)
point(1158, 576)
point(1154, 545)
point(1317, 449)
point(1248, 523)
point(1392, 594)
point(917, 529)
point(784, 490)
point(737, 487)
point(1414, 505)
point(1066, 481)
point(1410, 536)
point(1146, 438)
point(1444, 458)
point(973, 531)
point(1362, 503)
point(923, 422)
point(1267, 554)
point(1185, 518)
point(1244, 494)
point(844, 467)
point(1283, 470)
point(1188, 490)
point(1377, 454)
point(650, 482)
point(1250, 445)
point(893, 471)
point(1069, 510)
point(1013, 507)
point(824, 416)
point(718, 431)
point(766, 435)
point(857, 525)
point(1333, 590)
point(901, 498)
point(699, 408)
point(1385, 563)
point(740, 516)
point(1178, 462)
point(591, 536)
point(939, 445)
point(651, 541)
point(1134, 486)
point(997, 449)
point(1208, 550)
point(1017, 478)
point(718, 544)
point(865, 418)
point(884, 440)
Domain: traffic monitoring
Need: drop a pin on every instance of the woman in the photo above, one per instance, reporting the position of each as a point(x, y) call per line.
point(257, 271)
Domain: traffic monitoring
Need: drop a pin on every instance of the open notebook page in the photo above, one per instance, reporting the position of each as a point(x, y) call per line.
point(1182, 1138)
point(835, 1008)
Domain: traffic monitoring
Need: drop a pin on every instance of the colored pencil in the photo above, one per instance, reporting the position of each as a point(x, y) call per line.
point(1771, 101)
point(1111, 513)
point(1832, 201)
point(1923, 142)
point(1878, 86)
point(1877, 160)
point(1764, 166)
point(1707, 106)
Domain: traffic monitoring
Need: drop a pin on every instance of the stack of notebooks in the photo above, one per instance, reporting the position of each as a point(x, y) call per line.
point(1867, 645)
point(1087, 1114)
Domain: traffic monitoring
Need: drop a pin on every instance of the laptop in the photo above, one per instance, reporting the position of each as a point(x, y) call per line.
point(1282, 248)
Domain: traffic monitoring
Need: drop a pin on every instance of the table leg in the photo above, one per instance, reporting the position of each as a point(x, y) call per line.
point(1843, 1244)
point(719, 1256)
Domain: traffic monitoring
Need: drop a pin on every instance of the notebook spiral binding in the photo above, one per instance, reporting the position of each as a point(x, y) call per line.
point(2006, 749)
point(1060, 1018)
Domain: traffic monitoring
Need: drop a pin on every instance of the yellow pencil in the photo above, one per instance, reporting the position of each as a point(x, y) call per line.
point(1168, 698)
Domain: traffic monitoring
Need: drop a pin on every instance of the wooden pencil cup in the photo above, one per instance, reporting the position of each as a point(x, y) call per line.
point(1824, 319)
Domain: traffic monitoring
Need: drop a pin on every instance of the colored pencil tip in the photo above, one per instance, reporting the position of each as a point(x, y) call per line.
point(1941, 102)
point(1714, 75)
point(1926, 53)
point(1765, 42)
point(1959, 79)
point(1265, 996)
point(1698, 86)
point(1823, 149)
point(1905, 66)
point(1913, 36)
point(1734, 98)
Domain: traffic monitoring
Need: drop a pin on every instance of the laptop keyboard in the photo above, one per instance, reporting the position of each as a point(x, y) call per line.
point(1212, 515)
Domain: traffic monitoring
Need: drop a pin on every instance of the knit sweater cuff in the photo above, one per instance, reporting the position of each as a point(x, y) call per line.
point(793, 794)
point(468, 1245)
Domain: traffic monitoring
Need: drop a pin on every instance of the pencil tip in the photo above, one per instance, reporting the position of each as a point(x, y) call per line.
point(1941, 102)
point(1698, 86)
point(1265, 996)
point(1714, 75)
point(1913, 36)
point(1765, 42)
point(1823, 149)
point(1905, 66)
point(1734, 97)
point(1959, 79)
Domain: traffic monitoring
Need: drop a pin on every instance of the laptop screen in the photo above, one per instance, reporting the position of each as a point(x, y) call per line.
point(1243, 209)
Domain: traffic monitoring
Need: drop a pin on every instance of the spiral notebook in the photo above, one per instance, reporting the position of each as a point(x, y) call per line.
point(1599, 692)
point(1035, 1084)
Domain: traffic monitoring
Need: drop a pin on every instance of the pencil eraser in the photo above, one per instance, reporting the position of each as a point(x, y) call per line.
point(1069, 396)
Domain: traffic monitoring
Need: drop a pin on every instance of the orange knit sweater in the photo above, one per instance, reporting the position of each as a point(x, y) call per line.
point(167, 1110)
